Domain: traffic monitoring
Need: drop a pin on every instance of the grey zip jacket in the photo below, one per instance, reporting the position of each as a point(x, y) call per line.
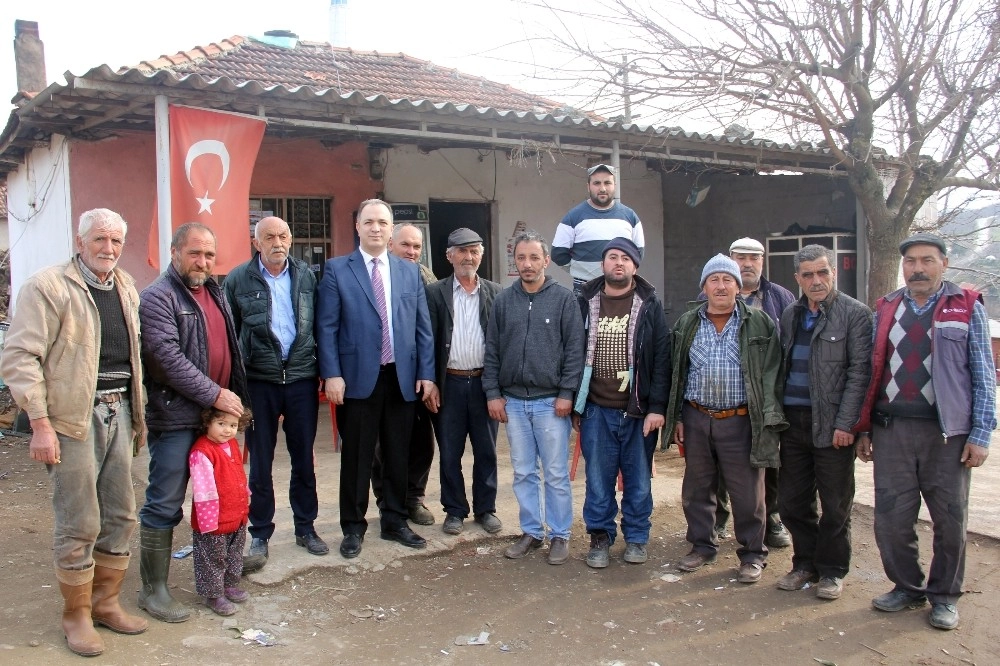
point(534, 344)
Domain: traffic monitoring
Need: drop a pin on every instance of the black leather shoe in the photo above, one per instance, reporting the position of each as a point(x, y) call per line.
point(256, 558)
point(351, 545)
point(312, 543)
point(405, 536)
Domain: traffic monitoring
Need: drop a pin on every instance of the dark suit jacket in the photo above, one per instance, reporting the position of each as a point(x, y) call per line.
point(440, 300)
point(349, 329)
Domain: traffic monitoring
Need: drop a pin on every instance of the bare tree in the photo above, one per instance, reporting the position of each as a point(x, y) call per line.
point(903, 92)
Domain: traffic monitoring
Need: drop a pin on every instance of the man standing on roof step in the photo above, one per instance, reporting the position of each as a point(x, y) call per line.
point(931, 407)
point(460, 308)
point(534, 358)
point(71, 360)
point(273, 300)
point(826, 341)
point(585, 230)
point(621, 401)
point(407, 243)
point(376, 353)
point(758, 292)
point(725, 410)
point(192, 362)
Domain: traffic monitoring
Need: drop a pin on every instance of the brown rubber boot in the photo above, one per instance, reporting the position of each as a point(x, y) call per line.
point(81, 637)
point(107, 610)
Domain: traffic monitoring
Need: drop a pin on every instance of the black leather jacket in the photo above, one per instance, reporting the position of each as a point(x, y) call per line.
point(840, 361)
point(250, 300)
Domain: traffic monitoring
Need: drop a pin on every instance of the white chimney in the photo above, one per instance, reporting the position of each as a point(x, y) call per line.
point(338, 22)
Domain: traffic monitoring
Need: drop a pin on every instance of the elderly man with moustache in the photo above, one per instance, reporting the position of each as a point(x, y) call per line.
point(724, 410)
point(931, 407)
point(71, 360)
point(532, 368)
point(192, 359)
point(273, 299)
point(826, 342)
point(758, 292)
point(460, 308)
point(376, 354)
point(407, 243)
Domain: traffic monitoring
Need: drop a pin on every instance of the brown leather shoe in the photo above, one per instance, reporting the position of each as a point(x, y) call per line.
point(796, 579)
point(558, 550)
point(695, 560)
point(106, 607)
point(521, 547)
point(750, 572)
point(81, 637)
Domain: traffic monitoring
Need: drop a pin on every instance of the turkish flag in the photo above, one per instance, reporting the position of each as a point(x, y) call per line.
point(212, 155)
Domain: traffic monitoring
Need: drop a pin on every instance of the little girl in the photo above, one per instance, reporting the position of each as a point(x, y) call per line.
point(219, 510)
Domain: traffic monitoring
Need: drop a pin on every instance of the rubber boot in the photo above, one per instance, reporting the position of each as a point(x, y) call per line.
point(81, 637)
point(154, 567)
point(107, 610)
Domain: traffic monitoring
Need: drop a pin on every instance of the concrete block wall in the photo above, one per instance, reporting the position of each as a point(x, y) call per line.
point(738, 206)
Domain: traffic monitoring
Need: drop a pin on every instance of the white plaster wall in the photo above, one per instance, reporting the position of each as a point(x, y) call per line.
point(538, 194)
point(38, 217)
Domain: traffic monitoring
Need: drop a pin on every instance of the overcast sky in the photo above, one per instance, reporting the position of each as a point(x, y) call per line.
point(480, 38)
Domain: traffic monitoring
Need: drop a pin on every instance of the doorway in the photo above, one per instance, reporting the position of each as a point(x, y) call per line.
point(445, 217)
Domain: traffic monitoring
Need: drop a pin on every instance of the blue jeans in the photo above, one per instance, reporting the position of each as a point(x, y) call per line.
point(168, 478)
point(610, 441)
point(539, 442)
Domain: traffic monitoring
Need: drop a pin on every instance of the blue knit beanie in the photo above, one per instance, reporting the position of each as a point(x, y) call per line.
point(720, 263)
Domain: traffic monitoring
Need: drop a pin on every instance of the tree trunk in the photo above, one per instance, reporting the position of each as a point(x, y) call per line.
point(884, 238)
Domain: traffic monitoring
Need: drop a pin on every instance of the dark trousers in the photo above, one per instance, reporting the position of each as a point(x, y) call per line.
point(298, 402)
point(421, 458)
point(383, 417)
point(771, 503)
point(463, 414)
point(821, 544)
point(710, 445)
point(913, 460)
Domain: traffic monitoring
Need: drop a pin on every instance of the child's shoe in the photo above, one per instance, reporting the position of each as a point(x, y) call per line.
point(220, 605)
point(236, 595)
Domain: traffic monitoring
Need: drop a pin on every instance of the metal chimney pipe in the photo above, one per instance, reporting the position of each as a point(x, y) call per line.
point(338, 22)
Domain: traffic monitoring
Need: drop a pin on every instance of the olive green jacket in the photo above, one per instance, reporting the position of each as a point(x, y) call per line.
point(760, 359)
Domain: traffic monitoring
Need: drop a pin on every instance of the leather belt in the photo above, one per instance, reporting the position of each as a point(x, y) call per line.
point(720, 413)
point(477, 372)
point(387, 367)
point(109, 397)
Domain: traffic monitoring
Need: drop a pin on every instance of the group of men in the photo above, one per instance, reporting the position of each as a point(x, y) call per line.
point(750, 379)
point(913, 390)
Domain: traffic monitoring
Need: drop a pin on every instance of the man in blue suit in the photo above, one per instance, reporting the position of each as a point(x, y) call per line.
point(376, 354)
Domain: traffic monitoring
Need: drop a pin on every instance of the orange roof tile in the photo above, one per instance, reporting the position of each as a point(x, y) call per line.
point(319, 65)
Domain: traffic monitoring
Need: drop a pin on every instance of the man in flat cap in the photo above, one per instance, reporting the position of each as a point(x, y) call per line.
point(758, 292)
point(622, 400)
point(585, 230)
point(460, 308)
point(724, 410)
point(931, 408)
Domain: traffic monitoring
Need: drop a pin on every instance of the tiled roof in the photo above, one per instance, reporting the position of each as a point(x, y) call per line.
point(321, 66)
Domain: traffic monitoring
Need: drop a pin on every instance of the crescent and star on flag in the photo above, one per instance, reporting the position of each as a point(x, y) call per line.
point(207, 147)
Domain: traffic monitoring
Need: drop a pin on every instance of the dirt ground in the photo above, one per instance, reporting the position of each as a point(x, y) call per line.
point(398, 607)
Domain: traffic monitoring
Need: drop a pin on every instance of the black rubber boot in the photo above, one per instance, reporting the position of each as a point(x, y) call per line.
point(154, 566)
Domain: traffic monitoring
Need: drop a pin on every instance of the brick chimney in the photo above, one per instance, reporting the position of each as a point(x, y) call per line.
point(29, 57)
